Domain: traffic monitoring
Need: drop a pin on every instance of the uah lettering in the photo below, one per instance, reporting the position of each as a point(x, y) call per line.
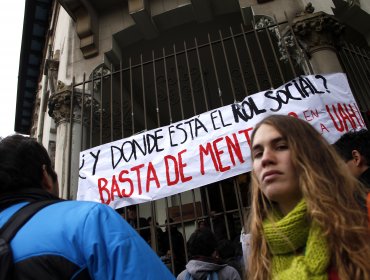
point(343, 114)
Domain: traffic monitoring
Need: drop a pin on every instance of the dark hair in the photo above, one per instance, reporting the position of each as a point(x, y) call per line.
point(226, 249)
point(131, 208)
point(21, 161)
point(202, 242)
point(354, 140)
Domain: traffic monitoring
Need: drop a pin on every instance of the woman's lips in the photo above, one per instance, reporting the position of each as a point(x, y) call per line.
point(270, 175)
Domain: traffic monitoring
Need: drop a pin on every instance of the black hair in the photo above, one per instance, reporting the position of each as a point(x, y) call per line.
point(202, 242)
point(354, 140)
point(21, 163)
point(170, 220)
point(226, 249)
point(131, 208)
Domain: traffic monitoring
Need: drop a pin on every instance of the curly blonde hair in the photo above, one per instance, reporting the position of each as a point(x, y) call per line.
point(332, 196)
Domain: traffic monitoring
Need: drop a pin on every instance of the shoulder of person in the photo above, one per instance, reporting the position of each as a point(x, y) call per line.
point(245, 237)
point(182, 275)
point(82, 206)
point(229, 272)
point(86, 210)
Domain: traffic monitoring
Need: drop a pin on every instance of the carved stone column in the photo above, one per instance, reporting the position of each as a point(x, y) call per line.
point(52, 67)
point(319, 34)
point(68, 138)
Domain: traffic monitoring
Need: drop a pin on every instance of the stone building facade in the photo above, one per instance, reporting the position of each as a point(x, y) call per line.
point(105, 70)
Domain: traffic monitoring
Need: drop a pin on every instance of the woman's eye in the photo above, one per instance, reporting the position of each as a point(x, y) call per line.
point(281, 147)
point(257, 154)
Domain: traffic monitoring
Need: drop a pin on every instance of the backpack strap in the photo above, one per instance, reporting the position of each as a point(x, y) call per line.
point(212, 275)
point(11, 227)
point(188, 276)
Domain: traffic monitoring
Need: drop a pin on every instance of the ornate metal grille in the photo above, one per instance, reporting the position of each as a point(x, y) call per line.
point(356, 63)
point(166, 85)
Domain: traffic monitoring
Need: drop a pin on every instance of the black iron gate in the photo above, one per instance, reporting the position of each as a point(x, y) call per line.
point(356, 63)
point(178, 81)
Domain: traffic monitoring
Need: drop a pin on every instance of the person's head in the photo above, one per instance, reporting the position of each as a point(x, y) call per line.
point(202, 223)
point(202, 242)
point(273, 166)
point(226, 249)
point(121, 212)
point(169, 224)
point(354, 148)
point(150, 221)
point(292, 161)
point(131, 212)
point(24, 164)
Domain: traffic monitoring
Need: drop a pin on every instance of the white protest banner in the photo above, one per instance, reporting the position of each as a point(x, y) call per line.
point(211, 146)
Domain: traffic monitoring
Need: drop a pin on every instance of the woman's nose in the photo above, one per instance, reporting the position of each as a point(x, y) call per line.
point(268, 157)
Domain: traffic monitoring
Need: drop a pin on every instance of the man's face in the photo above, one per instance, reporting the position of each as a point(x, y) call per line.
point(131, 214)
point(357, 165)
point(50, 181)
point(55, 190)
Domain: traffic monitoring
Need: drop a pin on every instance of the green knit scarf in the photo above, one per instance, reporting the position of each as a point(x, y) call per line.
point(299, 250)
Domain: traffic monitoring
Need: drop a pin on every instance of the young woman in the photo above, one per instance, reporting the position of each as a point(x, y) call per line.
point(305, 221)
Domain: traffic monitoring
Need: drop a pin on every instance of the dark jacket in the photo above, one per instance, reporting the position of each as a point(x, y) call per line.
point(365, 178)
point(178, 248)
point(144, 233)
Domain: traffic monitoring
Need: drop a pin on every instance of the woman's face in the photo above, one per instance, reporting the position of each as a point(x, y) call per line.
point(274, 169)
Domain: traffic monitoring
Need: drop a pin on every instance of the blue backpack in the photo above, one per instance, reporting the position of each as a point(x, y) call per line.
point(211, 276)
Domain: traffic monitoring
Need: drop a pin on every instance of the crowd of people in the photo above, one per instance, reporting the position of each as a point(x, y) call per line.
point(308, 218)
point(171, 246)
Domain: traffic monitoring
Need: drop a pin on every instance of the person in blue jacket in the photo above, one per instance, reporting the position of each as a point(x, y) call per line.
point(68, 239)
